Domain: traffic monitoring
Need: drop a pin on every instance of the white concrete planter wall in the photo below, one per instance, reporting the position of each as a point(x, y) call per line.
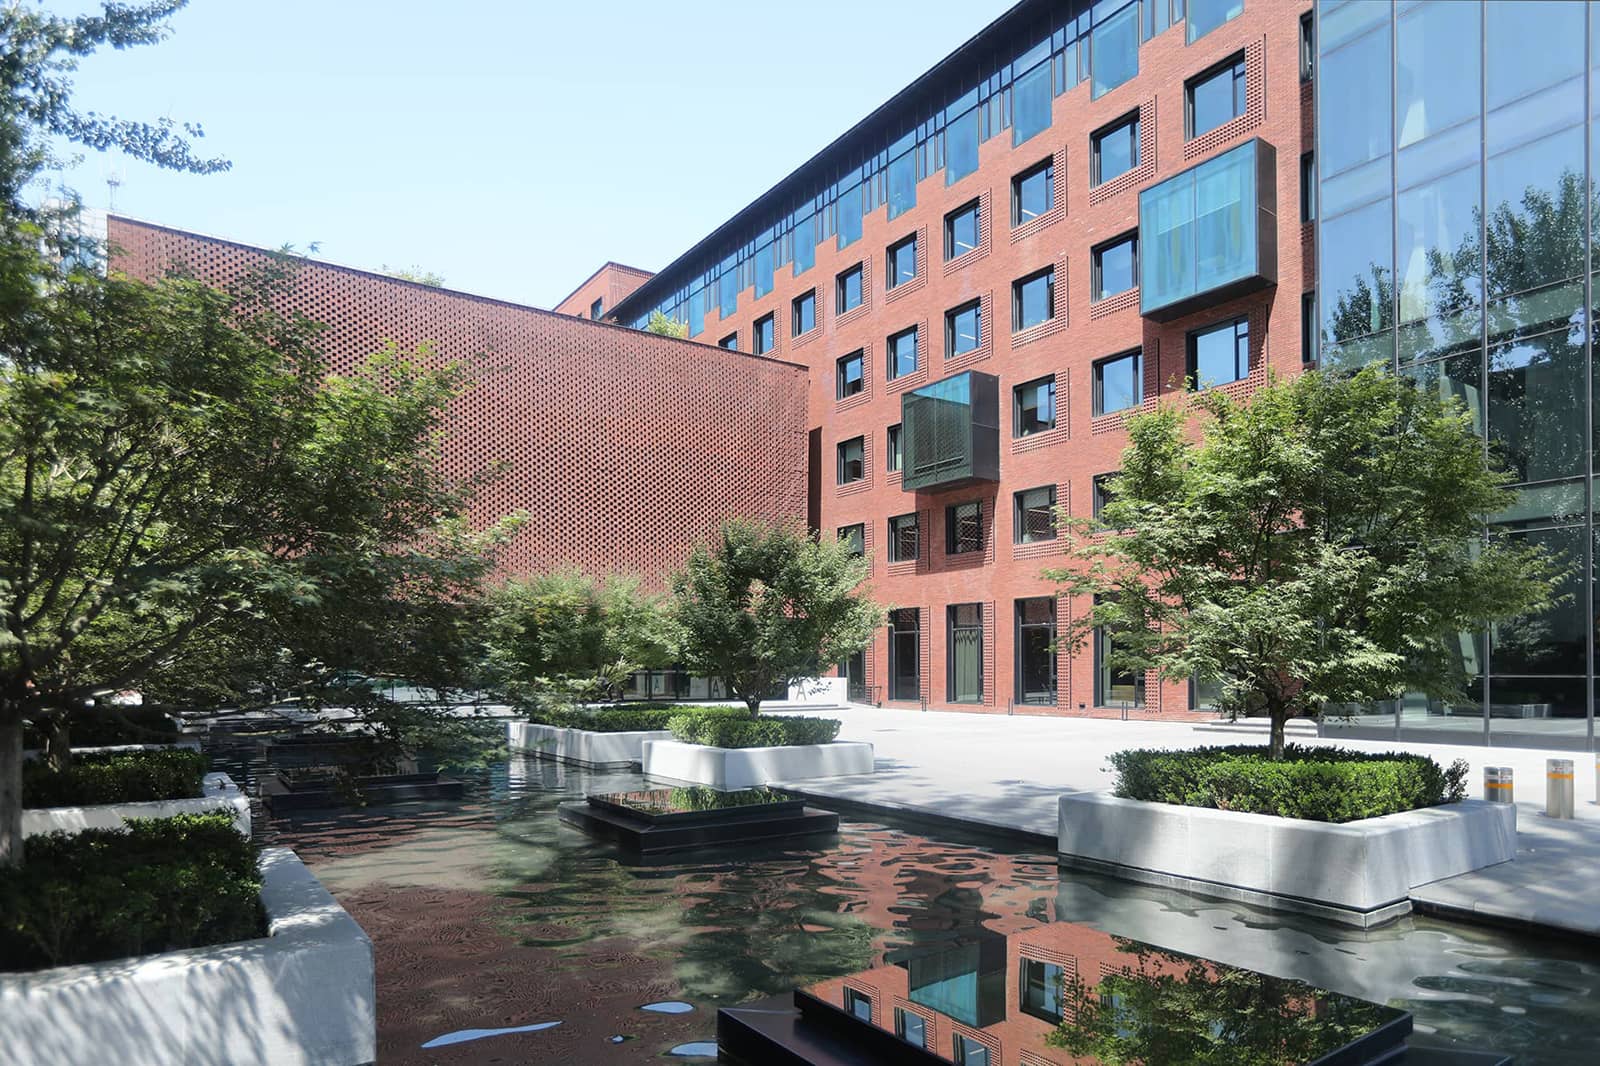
point(581, 747)
point(304, 994)
point(1359, 872)
point(729, 768)
point(220, 793)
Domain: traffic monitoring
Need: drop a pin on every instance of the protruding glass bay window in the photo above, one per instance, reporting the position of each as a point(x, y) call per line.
point(951, 432)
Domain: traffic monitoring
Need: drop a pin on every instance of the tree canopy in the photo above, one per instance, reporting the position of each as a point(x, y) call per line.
point(1318, 544)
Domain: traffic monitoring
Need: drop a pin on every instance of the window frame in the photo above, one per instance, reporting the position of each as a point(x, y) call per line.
point(952, 517)
point(950, 627)
point(859, 357)
point(1097, 375)
point(890, 259)
point(1308, 47)
point(950, 316)
point(897, 524)
point(891, 355)
point(900, 614)
point(841, 279)
point(809, 296)
point(1047, 167)
point(1191, 351)
point(1017, 407)
point(900, 1027)
point(973, 207)
point(597, 309)
point(1019, 509)
point(1097, 266)
point(1048, 275)
point(770, 321)
point(841, 462)
point(852, 996)
point(894, 456)
point(1308, 187)
point(1099, 136)
point(730, 342)
point(854, 534)
point(1044, 1014)
point(1308, 328)
point(1100, 492)
point(1236, 66)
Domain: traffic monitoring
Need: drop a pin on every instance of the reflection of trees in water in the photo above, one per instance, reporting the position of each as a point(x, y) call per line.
point(1167, 1009)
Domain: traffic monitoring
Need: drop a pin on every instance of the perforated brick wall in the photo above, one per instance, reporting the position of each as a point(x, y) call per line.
point(625, 448)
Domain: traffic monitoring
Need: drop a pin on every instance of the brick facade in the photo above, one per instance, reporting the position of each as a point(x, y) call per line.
point(611, 284)
point(625, 448)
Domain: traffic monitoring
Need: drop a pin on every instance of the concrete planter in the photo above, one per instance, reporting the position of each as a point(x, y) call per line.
point(581, 747)
point(730, 768)
point(303, 994)
point(220, 793)
point(1360, 872)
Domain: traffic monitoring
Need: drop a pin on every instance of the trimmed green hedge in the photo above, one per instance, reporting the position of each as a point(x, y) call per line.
point(120, 777)
point(1319, 784)
point(161, 884)
point(97, 728)
point(629, 719)
point(747, 732)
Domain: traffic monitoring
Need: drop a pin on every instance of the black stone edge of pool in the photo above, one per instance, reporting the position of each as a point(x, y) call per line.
point(654, 834)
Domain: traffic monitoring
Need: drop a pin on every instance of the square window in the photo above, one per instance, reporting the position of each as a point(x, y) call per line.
point(848, 288)
point(1033, 192)
point(1219, 354)
point(902, 353)
point(1308, 187)
point(903, 538)
point(805, 313)
point(1033, 407)
point(851, 372)
point(1215, 97)
point(912, 1028)
point(1114, 267)
point(965, 1050)
point(859, 1004)
point(852, 460)
point(1042, 990)
point(1115, 150)
point(1034, 515)
point(896, 452)
point(597, 308)
point(1118, 383)
point(730, 342)
point(963, 527)
point(1207, 15)
point(1101, 489)
point(855, 537)
point(961, 231)
point(901, 262)
point(963, 329)
point(1033, 299)
point(761, 335)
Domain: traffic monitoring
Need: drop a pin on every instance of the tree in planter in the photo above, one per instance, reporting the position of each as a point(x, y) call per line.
point(1319, 545)
point(566, 637)
point(763, 605)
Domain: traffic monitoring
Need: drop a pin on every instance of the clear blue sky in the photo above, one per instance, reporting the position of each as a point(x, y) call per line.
point(509, 145)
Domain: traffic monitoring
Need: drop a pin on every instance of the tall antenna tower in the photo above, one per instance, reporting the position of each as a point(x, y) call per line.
point(113, 183)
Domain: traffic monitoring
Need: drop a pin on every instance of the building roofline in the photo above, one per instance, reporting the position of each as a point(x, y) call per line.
point(608, 264)
point(460, 293)
point(922, 83)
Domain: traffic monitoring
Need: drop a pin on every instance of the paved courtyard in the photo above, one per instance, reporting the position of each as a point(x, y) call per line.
point(1006, 772)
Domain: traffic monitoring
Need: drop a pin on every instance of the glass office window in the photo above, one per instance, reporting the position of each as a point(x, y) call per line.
point(1030, 104)
point(730, 342)
point(1220, 354)
point(1114, 267)
point(764, 269)
point(1439, 250)
point(698, 301)
point(965, 641)
point(1118, 383)
point(1115, 685)
point(1533, 45)
point(1198, 230)
point(1033, 407)
point(761, 335)
point(961, 147)
point(1356, 251)
point(900, 262)
point(902, 182)
point(1042, 990)
point(1535, 198)
point(805, 244)
point(905, 644)
point(852, 465)
point(903, 538)
point(963, 329)
point(728, 288)
point(1438, 51)
point(847, 288)
point(910, 1027)
point(858, 1004)
point(1161, 14)
point(1033, 299)
point(1036, 653)
point(1216, 97)
point(966, 1051)
point(1114, 51)
point(1357, 132)
point(1034, 515)
point(1033, 192)
point(1115, 150)
point(963, 528)
point(902, 353)
point(961, 230)
point(1207, 15)
point(597, 309)
point(850, 374)
point(895, 450)
point(1537, 407)
point(854, 537)
point(805, 313)
point(850, 209)
point(1101, 488)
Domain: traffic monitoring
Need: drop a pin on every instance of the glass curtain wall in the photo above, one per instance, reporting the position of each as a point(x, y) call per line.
point(1457, 206)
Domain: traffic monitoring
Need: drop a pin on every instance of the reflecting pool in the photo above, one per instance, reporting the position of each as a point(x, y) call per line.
point(503, 935)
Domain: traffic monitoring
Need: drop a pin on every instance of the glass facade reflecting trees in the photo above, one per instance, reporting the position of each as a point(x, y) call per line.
point(1457, 202)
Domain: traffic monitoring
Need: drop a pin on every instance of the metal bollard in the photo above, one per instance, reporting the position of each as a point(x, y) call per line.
point(1558, 788)
point(1497, 784)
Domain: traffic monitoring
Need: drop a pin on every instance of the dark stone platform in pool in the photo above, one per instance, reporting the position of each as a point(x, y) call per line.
point(285, 792)
point(678, 819)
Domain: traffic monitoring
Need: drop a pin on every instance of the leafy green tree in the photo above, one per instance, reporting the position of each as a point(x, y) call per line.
point(763, 605)
point(1317, 546)
point(667, 327)
point(565, 636)
point(414, 274)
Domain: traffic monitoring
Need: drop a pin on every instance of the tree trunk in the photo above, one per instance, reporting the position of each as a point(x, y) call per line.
point(58, 743)
point(10, 783)
point(753, 704)
point(1275, 745)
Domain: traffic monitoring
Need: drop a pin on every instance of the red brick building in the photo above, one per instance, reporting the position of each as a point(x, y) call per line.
point(602, 291)
point(1007, 181)
point(625, 448)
